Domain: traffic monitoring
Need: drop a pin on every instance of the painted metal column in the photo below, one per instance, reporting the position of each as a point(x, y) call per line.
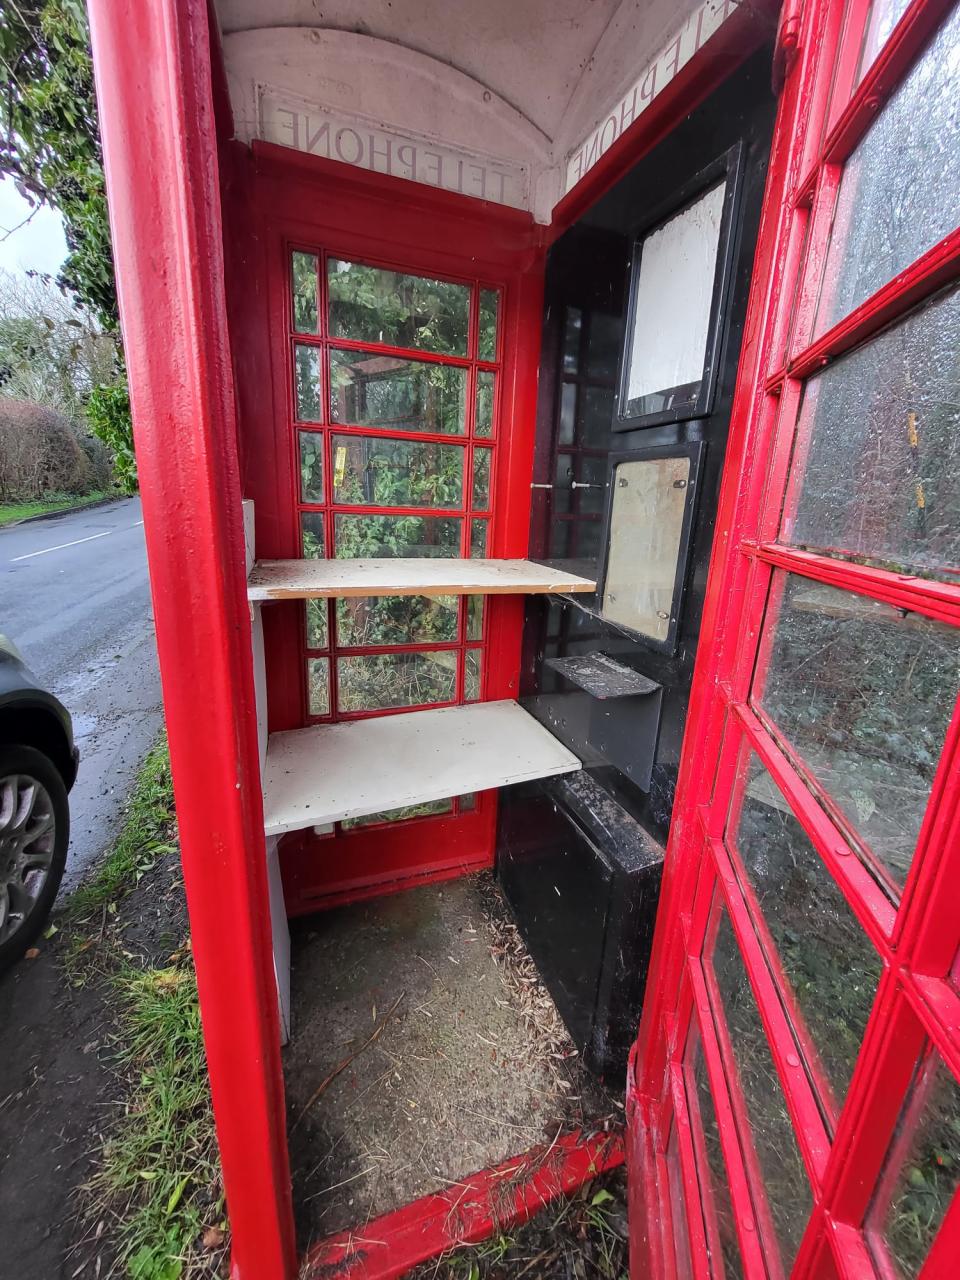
point(153, 73)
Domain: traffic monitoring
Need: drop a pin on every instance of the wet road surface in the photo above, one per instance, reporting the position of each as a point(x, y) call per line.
point(75, 599)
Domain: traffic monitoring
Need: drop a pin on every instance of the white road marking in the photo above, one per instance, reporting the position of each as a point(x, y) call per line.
point(61, 546)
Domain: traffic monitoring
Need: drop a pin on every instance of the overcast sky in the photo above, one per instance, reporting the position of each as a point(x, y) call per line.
point(38, 246)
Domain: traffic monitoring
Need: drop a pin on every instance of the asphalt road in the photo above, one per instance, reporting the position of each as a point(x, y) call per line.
point(75, 599)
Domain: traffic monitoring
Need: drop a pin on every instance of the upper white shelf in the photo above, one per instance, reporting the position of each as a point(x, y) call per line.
point(315, 579)
point(331, 772)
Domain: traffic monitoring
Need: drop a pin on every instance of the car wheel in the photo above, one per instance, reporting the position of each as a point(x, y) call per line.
point(34, 833)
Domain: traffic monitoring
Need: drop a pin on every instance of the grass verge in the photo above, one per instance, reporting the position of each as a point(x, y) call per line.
point(146, 835)
point(155, 1197)
point(11, 512)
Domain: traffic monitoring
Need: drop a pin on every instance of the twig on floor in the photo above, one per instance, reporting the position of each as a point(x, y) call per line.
point(342, 1066)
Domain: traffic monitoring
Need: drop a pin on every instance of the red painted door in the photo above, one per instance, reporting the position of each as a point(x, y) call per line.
point(795, 1097)
point(399, 381)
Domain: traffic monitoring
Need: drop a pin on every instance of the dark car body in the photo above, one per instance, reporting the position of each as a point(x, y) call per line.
point(31, 716)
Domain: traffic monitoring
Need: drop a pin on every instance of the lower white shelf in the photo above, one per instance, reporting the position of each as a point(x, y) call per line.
point(328, 773)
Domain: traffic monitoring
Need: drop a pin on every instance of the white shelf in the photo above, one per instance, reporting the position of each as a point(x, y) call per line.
point(317, 579)
point(328, 773)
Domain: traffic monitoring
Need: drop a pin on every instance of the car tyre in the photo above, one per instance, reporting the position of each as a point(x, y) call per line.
point(34, 834)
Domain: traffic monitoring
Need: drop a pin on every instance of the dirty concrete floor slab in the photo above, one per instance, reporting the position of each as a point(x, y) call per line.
point(456, 1079)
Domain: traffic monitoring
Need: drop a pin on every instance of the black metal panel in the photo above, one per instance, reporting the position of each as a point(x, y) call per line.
point(582, 879)
point(579, 858)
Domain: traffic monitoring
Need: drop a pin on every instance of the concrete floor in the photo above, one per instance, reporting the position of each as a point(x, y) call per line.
point(456, 1080)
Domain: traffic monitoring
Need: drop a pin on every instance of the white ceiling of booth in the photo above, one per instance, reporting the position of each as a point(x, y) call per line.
point(512, 85)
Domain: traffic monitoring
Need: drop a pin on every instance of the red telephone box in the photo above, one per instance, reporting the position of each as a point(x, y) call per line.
point(549, 481)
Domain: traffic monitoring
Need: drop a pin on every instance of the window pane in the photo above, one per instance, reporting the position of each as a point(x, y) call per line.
point(878, 449)
point(372, 305)
point(318, 683)
point(478, 539)
point(595, 422)
point(311, 532)
point(603, 346)
point(716, 1172)
point(307, 382)
point(571, 340)
point(379, 472)
point(311, 466)
point(646, 526)
point(316, 620)
point(671, 307)
point(406, 536)
point(471, 684)
point(900, 191)
point(304, 278)
point(386, 391)
point(483, 424)
point(487, 340)
point(827, 958)
point(426, 810)
point(864, 695)
point(481, 479)
point(377, 620)
point(884, 16)
point(475, 617)
point(373, 682)
point(926, 1147)
point(771, 1129)
point(568, 409)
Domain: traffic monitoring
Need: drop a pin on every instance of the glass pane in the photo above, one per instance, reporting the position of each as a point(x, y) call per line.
point(483, 424)
point(595, 423)
point(593, 473)
point(379, 472)
point(481, 479)
point(571, 340)
point(468, 802)
point(405, 536)
point(725, 1240)
point(304, 277)
point(884, 16)
point(771, 1129)
point(478, 539)
point(900, 190)
point(369, 304)
point(377, 620)
point(678, 1208)
point(926, 1149)
point(568, 410)
point(426, 810)
point(487, 340)
point(311, 533)
point(827, 958)
point(475, 617)
point(671, 307)
point(318, 683)
point(316, 622)
point(603, 347)
point(307, 382)
point(878, 449)
point(386, 391)
point(311, 466)
point(646, 525)
point(471, 683)
point(864, 695)
point(373, 682)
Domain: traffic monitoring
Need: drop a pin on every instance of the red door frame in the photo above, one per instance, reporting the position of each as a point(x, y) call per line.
point(158, 101)
point(153, 73)
point(377, 219)
point(917, 939)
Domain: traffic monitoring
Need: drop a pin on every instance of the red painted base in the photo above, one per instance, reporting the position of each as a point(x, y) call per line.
point(470, 1211)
